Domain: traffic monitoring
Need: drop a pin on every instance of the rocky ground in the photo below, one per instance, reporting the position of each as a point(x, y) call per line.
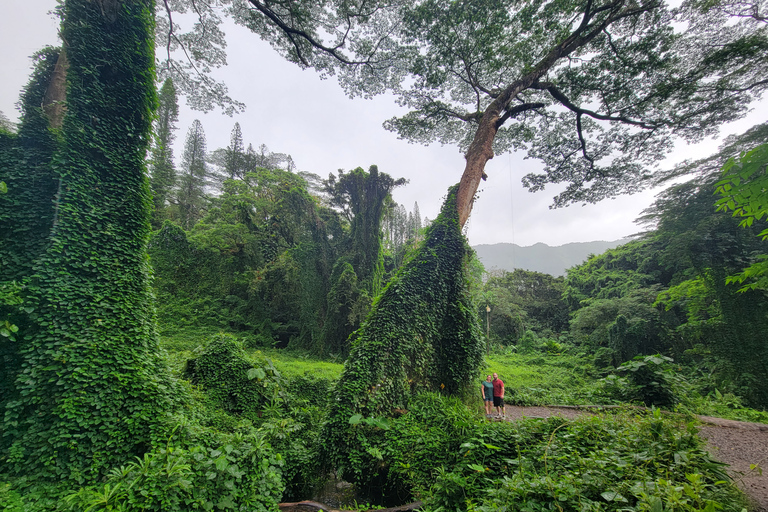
point(737, 443)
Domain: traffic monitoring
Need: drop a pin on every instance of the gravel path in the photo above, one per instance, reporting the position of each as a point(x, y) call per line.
point(737, 443)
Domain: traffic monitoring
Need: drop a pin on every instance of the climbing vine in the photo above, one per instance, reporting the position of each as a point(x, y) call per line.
point(422, 333)
point(92, 390)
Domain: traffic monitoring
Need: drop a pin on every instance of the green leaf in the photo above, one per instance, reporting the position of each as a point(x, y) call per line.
point(613, 496)
point(256, 373)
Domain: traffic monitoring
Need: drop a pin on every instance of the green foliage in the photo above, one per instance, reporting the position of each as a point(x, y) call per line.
point(193, 178)
point(10, 500)
point(422, 332)
point(471, 73)
point(616, 273)
point(428, 437)
point(441, 454)
point(259, 261)
point(650, 380)
point(162, 173)
point(590, 464)
point(92, 390)
point(520, 301)
point(243, 472)
point(743, 191)
point(358, 275)
point(348, 304)
point(225, 371)
point(30, 180)
point(627, 325)
point(542, 379)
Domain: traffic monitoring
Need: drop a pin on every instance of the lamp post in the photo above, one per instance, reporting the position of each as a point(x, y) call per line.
point(488, 329)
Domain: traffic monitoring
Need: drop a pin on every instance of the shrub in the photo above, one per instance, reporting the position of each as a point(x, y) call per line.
point(227, 374)
point(243, 472)
point(648, 379)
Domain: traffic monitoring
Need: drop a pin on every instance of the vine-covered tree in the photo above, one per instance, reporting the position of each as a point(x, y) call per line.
point(357, 276)
point(90, 391)
point(162, 171)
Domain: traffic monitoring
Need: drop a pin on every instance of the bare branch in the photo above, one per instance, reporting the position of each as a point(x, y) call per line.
point(292, 33)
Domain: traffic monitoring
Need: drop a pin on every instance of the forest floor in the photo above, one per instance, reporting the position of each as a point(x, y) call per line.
point(739, 444)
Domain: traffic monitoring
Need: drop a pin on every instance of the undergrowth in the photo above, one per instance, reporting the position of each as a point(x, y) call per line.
point(627, 462)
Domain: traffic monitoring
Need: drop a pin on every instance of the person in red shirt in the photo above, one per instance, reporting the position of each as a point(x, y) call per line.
point(498, 395)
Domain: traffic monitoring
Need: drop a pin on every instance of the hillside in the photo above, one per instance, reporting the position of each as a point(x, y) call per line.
point(540, 257)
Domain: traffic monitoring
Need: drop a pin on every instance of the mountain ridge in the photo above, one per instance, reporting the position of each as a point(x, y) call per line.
point(540, 257)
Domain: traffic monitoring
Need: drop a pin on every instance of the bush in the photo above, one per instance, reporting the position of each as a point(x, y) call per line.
point(231, 378)
point(651, 380)
point(315, 390)
point(243, 472)
point(602, 463)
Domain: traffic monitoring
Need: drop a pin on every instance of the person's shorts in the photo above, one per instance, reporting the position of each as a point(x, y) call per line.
point(498, 401)
point(488, 399)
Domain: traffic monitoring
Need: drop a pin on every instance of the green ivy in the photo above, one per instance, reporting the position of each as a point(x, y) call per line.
point(235, 383)
point(236, 473)
point(422, 333)
point(92, 390)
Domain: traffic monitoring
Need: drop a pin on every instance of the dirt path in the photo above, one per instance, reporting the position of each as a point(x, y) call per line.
point(736, 443)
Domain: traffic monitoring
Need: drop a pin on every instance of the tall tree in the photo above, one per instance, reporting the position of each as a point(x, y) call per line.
point(357, 276)
point(363, 194)
point(234, 168)
point(597, 90)
point(417, 224)
point(162, 172)
point(91, 391)
point(194, 177)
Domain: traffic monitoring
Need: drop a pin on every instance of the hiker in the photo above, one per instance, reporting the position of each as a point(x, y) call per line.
point(498, 395)
point(486, 393)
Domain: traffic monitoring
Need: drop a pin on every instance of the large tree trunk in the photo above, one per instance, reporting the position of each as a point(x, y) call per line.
point(56, 94)
point(480, 151)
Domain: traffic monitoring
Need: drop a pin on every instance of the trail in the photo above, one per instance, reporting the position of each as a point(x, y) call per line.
point(737, 443)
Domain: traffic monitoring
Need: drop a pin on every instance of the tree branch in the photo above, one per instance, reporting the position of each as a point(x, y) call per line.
point(291, 33)
point(511, 112)
point(563, 99)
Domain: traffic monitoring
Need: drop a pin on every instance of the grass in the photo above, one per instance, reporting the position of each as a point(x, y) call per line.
point(535, 378)
point(293, 363)
point(543, 379)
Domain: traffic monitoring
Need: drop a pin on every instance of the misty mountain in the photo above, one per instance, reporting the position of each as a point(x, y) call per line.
point(540, 257)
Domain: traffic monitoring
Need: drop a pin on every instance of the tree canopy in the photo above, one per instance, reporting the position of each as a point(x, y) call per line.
point(597, 90)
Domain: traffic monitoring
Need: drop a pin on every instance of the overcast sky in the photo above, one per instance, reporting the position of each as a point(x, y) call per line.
point(293, 111)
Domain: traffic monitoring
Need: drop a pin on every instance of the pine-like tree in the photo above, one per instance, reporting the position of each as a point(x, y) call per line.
point(417, 225)
point(162, 171)
point(194, 177)
point(234, 159)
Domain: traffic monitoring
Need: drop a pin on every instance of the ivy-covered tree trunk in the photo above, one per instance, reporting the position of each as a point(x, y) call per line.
point(25, 166)
point(25, 212)
point(92, 389)
point(423, 333)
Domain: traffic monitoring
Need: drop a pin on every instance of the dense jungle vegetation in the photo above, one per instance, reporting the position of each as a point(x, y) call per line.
point(226, 332)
